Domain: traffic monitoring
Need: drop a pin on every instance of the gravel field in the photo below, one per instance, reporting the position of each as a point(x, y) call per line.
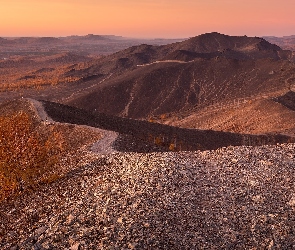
point(230, 198)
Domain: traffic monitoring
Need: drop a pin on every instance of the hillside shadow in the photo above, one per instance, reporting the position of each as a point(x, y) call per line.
point(287, 100)
point(143, 136)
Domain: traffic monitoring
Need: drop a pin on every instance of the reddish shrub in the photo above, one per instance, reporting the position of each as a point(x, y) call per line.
point(25, 154)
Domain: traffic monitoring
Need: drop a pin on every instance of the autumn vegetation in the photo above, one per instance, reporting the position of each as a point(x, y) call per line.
point(34, 152)
point(26, 156)
point(35, 81)
point(35, 72)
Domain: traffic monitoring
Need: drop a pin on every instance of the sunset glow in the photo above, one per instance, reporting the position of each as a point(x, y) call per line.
point(146, 18)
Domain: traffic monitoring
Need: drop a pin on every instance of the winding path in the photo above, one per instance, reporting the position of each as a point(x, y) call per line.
point(103, 146)
point(39, 110)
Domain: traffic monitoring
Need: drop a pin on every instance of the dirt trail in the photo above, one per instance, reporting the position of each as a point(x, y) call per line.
point(103, 146)
point(66, 99)
point(164, 61)
point(39, 109)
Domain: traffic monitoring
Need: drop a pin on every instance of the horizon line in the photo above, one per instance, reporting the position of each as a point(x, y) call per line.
point(134, 37)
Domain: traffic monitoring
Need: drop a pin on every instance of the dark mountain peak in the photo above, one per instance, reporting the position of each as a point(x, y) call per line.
point(212, 42)
point(211, 35)
point(209, 45)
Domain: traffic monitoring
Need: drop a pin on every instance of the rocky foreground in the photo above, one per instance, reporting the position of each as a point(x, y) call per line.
point(231, 198)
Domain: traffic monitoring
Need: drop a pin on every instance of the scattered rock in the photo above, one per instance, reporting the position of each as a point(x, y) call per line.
point(70, 219)
point(75, 246)
point(161, 200)
point(40, 230)
point(292, 201)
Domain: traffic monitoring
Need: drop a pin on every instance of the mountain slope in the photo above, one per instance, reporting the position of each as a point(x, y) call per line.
point(172, 86)
point(147, 80)
point(208, 45)
point(241, 116)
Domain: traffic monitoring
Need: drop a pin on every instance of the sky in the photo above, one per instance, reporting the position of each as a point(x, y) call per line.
point(146, 18)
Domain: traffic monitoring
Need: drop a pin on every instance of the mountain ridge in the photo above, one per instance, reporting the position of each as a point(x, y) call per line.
point(147, 81)
point(181, 69)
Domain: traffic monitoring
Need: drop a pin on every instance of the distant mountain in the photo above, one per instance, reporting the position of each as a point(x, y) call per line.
point(89, 38)
point(211, 42)
point(4, 41)
point(208, 46)
point(285, 42)
point(144, 81)
point(36, 41)
point(47, 40)
point(89, 44)
point(53, 40)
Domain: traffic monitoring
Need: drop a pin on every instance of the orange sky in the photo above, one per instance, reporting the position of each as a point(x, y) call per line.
point(146, 18)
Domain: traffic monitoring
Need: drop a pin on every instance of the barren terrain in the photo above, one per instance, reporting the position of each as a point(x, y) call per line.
point(234, 197)
point(188, 145)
